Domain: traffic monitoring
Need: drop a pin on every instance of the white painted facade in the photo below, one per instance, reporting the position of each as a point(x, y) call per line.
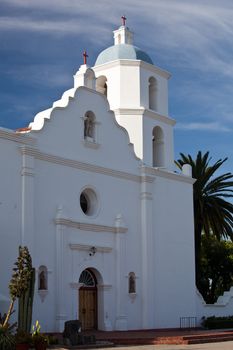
point(140, 218)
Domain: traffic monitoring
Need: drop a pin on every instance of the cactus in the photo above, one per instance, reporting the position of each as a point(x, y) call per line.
point(25, 298)
point(20, 279)
point(26, 304)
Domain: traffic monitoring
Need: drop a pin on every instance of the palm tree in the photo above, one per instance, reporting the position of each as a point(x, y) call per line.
point(213, 214)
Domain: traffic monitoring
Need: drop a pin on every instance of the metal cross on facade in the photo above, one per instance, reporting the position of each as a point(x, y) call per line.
point(85, 55)
point(123, 20)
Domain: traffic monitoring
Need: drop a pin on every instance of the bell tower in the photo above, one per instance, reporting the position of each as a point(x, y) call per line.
point(137, 92)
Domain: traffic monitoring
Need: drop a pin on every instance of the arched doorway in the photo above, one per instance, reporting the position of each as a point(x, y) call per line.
point(88, 300)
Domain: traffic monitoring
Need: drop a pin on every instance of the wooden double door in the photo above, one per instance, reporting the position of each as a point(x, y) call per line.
point(88, 307)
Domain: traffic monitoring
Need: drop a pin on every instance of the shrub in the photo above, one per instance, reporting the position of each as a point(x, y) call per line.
point(217, 322)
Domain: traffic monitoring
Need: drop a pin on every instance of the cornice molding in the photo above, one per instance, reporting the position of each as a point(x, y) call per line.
point(135, 63)
point(83, 247)
point(146, 112)
point(79, 165)
point(106, 171)
point(168, 175)
point(129, 111)
point(89, 226)
point(16, 137)
point(156, 116)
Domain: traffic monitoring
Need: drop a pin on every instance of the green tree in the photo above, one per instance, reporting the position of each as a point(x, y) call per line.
point(213, 214)
point(216, 268)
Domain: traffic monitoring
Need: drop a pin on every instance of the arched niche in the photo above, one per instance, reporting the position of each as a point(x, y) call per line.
point(42, 278)
point(132, 283)
point(158, 147)
point(153, 92)
point(101, 85)
point(89, 125)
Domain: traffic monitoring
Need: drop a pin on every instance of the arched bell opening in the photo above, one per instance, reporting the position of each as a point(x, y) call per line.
point(101, 85)
point(153, 87)
point(158, 147)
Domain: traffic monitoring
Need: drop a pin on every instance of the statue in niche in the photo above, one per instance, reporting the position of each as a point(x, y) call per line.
point(42, 281)
point(132, 284)
point(88, 126)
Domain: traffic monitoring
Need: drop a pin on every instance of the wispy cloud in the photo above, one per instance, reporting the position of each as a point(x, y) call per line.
point(193, 30)
point(184, 35)
point(54, 27)
point(214, 126)
point(40, 75)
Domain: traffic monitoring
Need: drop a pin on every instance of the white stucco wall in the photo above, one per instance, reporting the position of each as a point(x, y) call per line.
point(55, 169)
point(173, 252)
point(143, 222)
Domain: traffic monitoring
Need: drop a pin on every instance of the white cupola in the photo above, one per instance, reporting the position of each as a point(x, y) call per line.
point(123, 36)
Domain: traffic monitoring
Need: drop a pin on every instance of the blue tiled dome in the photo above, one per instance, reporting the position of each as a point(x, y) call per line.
point(122, 51)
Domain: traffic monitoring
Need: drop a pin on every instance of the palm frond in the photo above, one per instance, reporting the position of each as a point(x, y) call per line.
point(213, 213)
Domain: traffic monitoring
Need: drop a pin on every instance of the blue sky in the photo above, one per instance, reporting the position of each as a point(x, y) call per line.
point(41, 45)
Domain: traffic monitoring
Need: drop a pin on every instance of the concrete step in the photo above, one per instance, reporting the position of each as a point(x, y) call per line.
point(145, 339)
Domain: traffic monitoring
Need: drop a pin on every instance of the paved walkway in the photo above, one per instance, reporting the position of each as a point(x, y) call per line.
point(210, 346)
point(164, 340)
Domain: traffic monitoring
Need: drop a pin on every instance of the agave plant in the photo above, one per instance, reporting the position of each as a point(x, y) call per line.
point(7, 341)
point(39, 340)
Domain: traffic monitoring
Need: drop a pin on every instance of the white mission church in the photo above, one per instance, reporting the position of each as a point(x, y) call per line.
point(90, 188)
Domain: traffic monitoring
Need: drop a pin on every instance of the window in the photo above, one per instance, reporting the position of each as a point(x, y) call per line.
point(89, 126)
point(132, 283)
point(42, 278)
point(158, 147)
point(87, 279)
point(88, 202)
point(153, 93)
point(84, 202)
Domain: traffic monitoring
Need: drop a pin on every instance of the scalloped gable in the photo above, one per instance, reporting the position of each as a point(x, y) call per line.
point(40, 117)
point(60, 131)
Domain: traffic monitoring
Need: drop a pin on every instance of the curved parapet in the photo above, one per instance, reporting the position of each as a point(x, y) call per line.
point(40, 117)
point(84, 77)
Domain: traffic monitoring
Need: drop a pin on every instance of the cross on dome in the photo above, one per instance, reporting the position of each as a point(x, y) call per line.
point(85, 55)
point(123, 20)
